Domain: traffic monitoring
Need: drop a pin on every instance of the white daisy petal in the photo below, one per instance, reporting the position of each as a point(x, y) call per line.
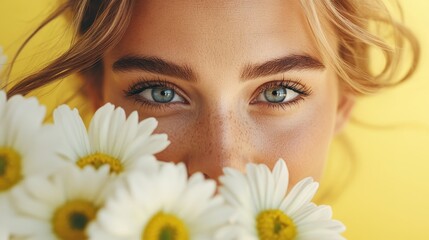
point(31, 227)
point(301, 194)
point(311, 212)
point(27, 114)
point(215, 215)
point(270, 186)
point(98, 230)
point(232, 180)
point(116, 125)
point(281, 181)
point(76, 142)
point(39, 189)
point(147, 126)
point(99, 127)
point(28, 208)
point(127, 133)
point(334, 226)
point(252, 178)
point(42, 157)
point(206, 190)
point(146, 146)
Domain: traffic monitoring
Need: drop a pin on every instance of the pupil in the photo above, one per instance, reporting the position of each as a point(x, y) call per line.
point(275, 95)
point(78, 221)
point(163, 95)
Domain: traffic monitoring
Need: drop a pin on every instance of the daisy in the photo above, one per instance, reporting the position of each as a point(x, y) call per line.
point(59, 207)
point(27, 147)
point(166, 205)
point(266, 212)
point(112, 139)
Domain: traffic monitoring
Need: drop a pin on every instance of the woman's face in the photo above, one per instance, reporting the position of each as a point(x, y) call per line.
point(230, 82)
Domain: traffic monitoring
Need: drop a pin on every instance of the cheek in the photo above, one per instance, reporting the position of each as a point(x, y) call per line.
point(179, 133)
point(302, 140)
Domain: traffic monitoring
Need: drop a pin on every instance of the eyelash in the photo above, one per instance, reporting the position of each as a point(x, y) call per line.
point(296, 86)
point(139, 86)
point(142, 84)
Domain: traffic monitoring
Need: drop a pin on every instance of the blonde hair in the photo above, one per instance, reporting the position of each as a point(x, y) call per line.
point(350, 21)
point(100, 24)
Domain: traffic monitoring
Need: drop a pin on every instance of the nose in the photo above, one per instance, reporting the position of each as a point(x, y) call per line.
point(220, 138)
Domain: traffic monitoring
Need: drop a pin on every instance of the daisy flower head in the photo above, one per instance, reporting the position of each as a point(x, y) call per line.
point(166, 205)
point(27, 147)
point(59, 207)
point(125, 144)
point(267, 212)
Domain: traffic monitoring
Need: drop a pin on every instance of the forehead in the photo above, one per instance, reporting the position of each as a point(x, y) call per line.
point(223, 33)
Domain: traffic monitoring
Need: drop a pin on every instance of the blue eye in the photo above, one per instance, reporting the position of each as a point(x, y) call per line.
point(160, 95)
point(277, 94)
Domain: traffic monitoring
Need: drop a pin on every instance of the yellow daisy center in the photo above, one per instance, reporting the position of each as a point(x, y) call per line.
point(10, 168)
point(275, 225)
point(99, 159)
point(164, 226)
point(70, 220)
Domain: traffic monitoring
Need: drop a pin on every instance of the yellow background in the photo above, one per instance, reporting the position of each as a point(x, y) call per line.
point(386, 184)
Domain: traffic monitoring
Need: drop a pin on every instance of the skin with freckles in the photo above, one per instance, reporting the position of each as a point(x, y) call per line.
point(230, 82)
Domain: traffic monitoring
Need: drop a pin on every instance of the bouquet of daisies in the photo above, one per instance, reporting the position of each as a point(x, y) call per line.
point(66, 181)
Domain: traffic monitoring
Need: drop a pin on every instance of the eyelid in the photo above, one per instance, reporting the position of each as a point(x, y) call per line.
point(143, 84)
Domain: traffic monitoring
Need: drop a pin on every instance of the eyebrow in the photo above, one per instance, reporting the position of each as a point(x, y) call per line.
point(154, 65)
point(279, 65)
point(250, 71)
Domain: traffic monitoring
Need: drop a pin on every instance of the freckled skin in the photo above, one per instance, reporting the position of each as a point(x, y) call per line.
point(219, 126)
